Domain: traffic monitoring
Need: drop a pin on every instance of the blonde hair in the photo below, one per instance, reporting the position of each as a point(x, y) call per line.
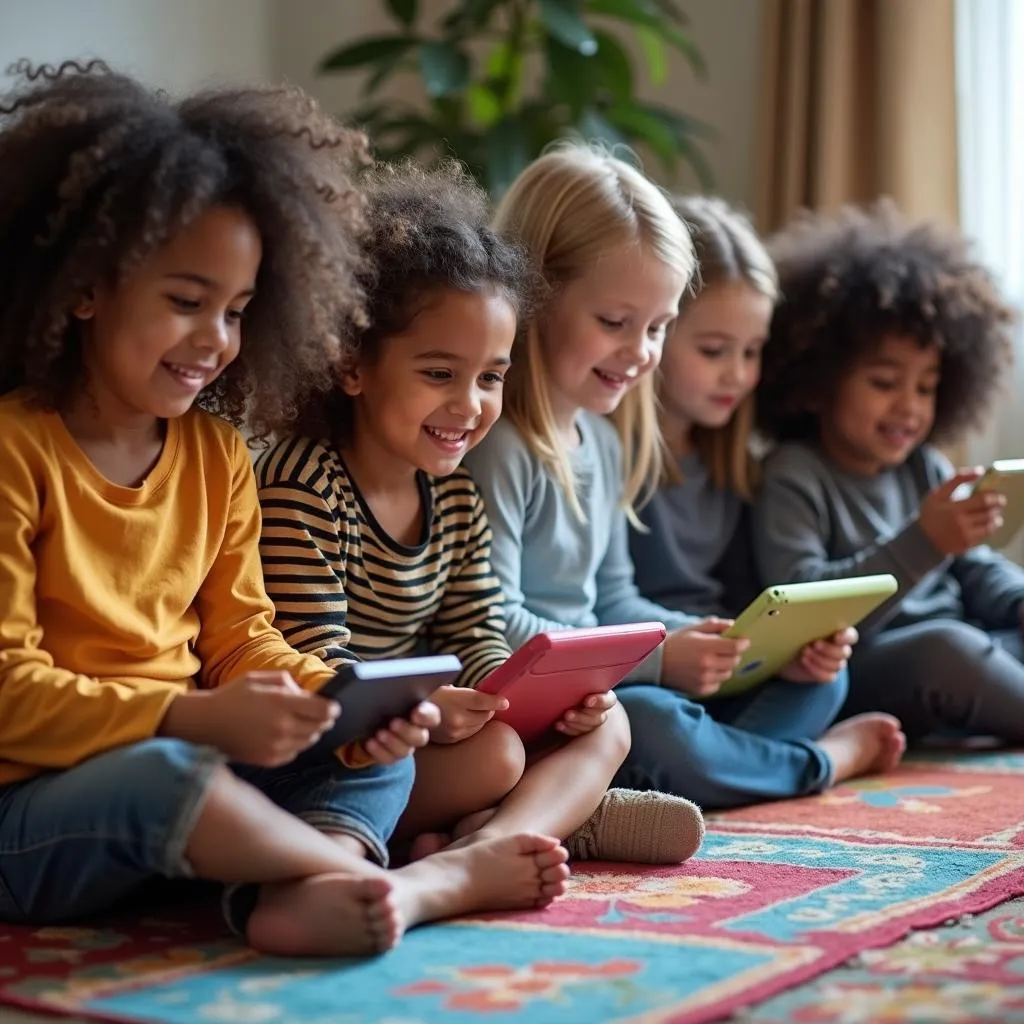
point(728, 251)
point(570, 207)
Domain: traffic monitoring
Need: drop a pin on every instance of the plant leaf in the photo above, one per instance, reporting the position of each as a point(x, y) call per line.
point(562, 21)
point(367, 51)
point(683, 124)
point(592, 125)
point(612, 66)
point(404, 11)
point(638, 123)
point(385, 68)
point(671, 10)
point(444, 67)
point(484, 107)
point(469, 15)
point(654, 54)
point(507, 154)
point(686, 130)
point(503, 70)
point(570, 76)
point(653, 15)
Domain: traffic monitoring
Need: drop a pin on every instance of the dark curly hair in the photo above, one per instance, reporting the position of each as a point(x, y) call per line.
point(429, 233)
point(97, 171)
point(848, 279)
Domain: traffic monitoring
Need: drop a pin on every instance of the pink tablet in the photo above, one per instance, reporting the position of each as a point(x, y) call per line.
point(555, 671)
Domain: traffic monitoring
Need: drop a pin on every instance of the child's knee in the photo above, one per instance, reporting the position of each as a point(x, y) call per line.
point(505, 758)
point(615, 734)
point(954, 651)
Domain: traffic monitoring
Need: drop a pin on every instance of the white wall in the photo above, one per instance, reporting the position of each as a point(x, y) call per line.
point(175, 44)
point(727, 32)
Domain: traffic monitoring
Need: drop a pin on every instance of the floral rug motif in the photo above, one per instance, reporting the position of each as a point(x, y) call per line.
point(779, 895)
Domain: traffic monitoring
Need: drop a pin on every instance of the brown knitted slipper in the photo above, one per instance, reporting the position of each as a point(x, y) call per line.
point(642, 827)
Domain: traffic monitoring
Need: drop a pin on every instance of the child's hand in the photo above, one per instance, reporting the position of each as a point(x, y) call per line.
point(588, 716)
point(463, 712)
point(957, 526)
point(260, 718)
point(403, 735)
point(823, 660)
point(697, 659)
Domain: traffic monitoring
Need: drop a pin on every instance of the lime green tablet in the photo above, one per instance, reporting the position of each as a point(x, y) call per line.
point(1006, 477)
point(782, 620)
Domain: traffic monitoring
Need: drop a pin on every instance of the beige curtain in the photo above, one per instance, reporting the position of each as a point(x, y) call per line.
point(858, 100)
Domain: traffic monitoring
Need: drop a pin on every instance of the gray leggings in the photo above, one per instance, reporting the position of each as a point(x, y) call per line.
point(942, 675)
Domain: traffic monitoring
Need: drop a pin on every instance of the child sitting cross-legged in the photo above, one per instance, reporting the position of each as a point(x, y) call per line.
point(376, 540)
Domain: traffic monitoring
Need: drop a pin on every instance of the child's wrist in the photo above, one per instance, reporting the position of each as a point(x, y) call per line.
point(187, 718)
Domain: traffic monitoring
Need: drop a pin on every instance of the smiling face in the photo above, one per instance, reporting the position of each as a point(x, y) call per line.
point(432, 392)
point(605, 330)
point(712, 359)
point(884, 407)
point(168, 329)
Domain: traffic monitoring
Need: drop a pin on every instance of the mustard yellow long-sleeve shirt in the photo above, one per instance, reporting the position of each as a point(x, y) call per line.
point(115, 599)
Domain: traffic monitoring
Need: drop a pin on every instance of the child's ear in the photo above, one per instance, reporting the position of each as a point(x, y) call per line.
point(85, 308)
point(350, 379)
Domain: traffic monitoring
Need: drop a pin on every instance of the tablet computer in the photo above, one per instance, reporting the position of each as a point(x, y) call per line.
point(1006, 477)
point(372, 693)
point(555, 671)
point(782, 620)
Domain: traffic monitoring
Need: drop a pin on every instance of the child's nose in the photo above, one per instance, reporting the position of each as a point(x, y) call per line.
point(466, 403)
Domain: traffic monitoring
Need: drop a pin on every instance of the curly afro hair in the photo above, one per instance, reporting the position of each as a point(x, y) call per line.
point(429, 233)
point(97, 171)
point(848, 279)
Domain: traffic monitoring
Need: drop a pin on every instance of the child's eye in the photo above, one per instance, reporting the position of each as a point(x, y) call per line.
point(882, 385)
point(235, 315)
point(928, 390)
point(709, 352)
point(657, 333)
point(439, 376)
point(187, 305)
point(752, 354)
point(611, 325)
point(493, 379)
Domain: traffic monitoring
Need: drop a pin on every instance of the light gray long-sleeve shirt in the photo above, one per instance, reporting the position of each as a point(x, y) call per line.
point(557, 570)
point(814, 521)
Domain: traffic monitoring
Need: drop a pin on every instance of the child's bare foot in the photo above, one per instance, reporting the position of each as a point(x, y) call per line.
point(864, 745)
point(642, 827)
point(326, 915)
point(479, 874)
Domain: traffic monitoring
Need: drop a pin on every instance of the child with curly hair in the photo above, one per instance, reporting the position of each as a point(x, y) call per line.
point(150, 711)
point(890, 340)
point(693, 554)
point(375, 538)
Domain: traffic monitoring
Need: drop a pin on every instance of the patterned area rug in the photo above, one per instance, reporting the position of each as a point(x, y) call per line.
point(971, 972)
point(780, 894)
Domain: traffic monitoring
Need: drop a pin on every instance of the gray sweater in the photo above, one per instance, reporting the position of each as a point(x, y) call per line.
point(813, 521)
point(696, 555)
point(557, 570)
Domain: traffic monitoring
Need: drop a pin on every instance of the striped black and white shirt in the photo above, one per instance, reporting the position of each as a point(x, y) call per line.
point(339, 581)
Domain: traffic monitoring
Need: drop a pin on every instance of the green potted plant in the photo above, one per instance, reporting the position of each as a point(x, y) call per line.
point(503, 78)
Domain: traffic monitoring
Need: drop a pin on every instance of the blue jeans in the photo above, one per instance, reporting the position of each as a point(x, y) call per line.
point(731, 751)
point(79, 841)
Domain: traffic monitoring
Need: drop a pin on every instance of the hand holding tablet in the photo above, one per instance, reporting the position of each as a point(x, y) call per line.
point(554, 672)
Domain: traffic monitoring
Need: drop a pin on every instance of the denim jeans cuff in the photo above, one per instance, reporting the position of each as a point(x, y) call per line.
point(201, 774)
point(343, 824)
point(826, 775)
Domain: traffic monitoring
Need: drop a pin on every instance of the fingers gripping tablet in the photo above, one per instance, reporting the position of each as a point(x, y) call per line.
point(556, 671)
point(372, 693)
point(784, 619)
